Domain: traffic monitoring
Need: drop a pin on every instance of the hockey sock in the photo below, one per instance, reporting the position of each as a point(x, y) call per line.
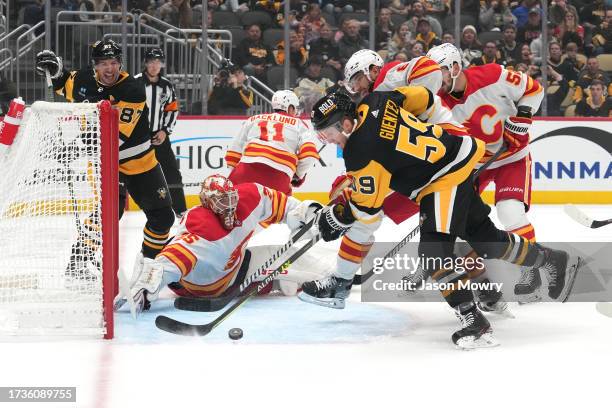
point(153, 242)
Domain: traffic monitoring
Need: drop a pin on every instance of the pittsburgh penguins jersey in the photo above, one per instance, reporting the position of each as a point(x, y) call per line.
point(425, 72)
point(206, 255)
point(491, 95)
point(391, 150)
point(136, 154)
point(278, 140)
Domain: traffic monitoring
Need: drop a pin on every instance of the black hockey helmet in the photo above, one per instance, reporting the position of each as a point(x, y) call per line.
point(330, 110)
point(105, 49)
point(155, 53)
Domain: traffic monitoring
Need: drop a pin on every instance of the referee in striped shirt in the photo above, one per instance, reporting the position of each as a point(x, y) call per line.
point(163, 110)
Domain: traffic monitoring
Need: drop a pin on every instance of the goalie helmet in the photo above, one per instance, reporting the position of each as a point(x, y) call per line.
point(447, 55)
point(360, 62)
point(105, 49)
point(219, 195)
point(328, 112)
point(282, 100)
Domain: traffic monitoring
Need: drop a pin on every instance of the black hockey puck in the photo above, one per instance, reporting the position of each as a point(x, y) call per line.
point(235, 333)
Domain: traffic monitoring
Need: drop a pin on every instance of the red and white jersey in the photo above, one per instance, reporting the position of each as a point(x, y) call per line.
point(425, 72)
point(492, 94)
point(206, 255)
point(278, 140)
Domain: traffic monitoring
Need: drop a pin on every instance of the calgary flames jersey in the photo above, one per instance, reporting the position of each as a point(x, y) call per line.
point(206, 255)
point(425, 72)
point(280, 141)
point(492, 94)
point(391, 149)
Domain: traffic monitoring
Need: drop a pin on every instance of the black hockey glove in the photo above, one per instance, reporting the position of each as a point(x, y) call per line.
point(47, 60)
point(333, 222)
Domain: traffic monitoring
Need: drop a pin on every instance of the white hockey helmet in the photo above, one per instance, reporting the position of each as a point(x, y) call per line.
point(447, 55)
point(282, 100)
point(361, 61)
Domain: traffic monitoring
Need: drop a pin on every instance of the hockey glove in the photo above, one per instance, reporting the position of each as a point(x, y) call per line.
point(342, 197)
point(334, 222)
point(516, 129)
point(296, 181)
point(300, 215)
point(47, 60)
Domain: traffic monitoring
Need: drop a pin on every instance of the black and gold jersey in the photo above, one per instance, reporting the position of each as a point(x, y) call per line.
point(127, 95)
point(391, 150)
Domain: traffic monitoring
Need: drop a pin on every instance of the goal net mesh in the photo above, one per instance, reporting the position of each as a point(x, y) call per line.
point(51, 263)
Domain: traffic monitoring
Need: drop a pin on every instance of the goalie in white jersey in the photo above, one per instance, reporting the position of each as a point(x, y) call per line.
point(209, 255)
point(273, 149)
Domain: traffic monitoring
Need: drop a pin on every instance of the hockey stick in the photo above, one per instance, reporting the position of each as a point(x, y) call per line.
point(359, 279)
point(246, 291)
point(580, 217)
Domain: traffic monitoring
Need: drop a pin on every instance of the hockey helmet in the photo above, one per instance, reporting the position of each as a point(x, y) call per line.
point(282, 100)
point(360, 62)
point(220, 196)
point(155, 53)
point(105, 49)
point(328, 112)
point(447, 55)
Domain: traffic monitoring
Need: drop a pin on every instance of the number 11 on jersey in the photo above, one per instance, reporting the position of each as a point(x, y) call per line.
point(277, 128)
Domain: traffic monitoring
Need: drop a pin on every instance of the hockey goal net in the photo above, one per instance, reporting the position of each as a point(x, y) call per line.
point(58, 221)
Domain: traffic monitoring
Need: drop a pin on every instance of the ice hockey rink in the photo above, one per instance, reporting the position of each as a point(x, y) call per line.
point(295, 354)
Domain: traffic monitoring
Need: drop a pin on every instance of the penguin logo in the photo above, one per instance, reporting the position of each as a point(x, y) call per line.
point(162, 193)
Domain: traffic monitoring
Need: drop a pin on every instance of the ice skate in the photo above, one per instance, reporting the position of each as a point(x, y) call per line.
point(329, 292)
point(561, 272)
point(492, 301)
point(527, 289)
point(476, 332)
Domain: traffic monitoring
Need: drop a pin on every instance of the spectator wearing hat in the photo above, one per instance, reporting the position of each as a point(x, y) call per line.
point(470, 46)
point(602, 36)
point(311, 87)
point(425, 35)
point(495, 14)
point(522, 10)
point(508, 46)
point(532, 29)
point(490, 55)
point(418, 12)
point(597, 104)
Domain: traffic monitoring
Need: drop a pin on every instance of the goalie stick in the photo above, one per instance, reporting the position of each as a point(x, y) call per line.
point(580, 217)
point(174, 326)
point(360, 279)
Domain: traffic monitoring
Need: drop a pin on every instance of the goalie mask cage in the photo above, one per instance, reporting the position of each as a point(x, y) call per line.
point(59, 222)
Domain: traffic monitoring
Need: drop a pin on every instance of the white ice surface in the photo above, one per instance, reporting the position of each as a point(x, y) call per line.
point(298, 355)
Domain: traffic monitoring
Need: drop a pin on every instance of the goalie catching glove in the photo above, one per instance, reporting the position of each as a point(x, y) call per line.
point(516, 129)
point(47, 60)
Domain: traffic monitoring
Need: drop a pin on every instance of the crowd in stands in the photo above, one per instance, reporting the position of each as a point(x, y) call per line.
point(325, 33)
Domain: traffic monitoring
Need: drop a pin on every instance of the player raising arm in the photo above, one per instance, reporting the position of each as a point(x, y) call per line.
point(139, 170)
point(209, 255)
point(423, 162)
point(273, 149)
point(496, 105)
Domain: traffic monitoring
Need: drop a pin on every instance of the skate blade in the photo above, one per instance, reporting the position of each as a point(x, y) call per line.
point(576, 264)
point(503, 311)
point(487, 340)
point(534, 297)
point(325, 302)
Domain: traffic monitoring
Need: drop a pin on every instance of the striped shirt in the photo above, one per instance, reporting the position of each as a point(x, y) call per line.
point(162, 102)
